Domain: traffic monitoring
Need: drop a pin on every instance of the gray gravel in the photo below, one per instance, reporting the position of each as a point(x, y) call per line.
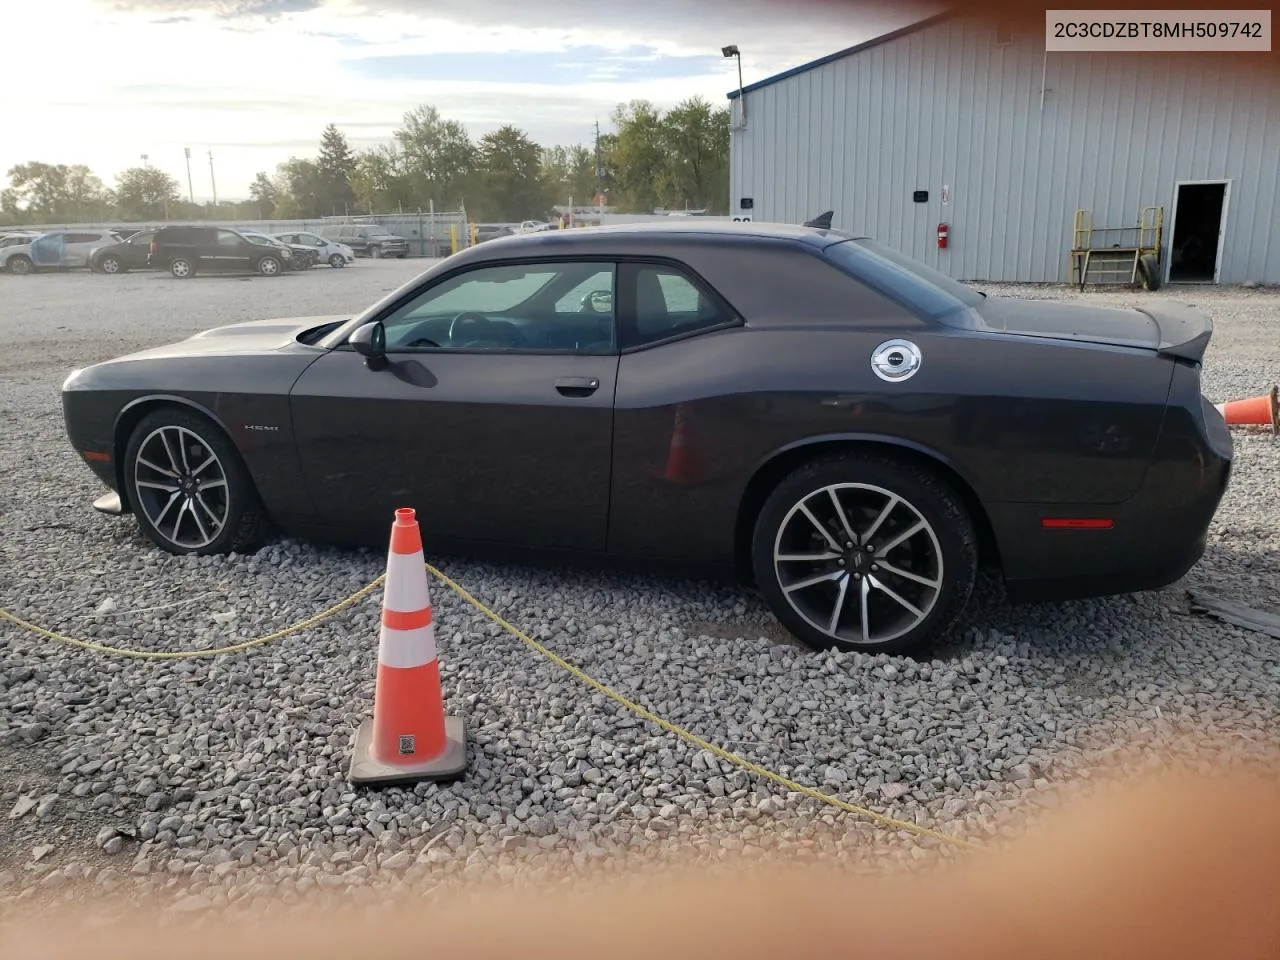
point(215, 781)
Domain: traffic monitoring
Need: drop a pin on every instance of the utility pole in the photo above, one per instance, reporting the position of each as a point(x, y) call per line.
point(191, 190)
point(599, 175)
point(212, 182)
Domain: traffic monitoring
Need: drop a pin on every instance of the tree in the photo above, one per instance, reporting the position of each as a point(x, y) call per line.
point(438, 156)
point(509, 176)
point(264, 193)
point(336, 163)
point(637, 156)
point(301, 181)
point(569, 172)
point(381, 181)
point(696, 172)
point(37, 191)
point(144, 193)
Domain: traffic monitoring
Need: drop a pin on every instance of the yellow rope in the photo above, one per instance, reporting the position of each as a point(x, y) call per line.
point(672, 728)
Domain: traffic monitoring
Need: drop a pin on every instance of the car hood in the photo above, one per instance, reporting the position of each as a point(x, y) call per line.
point(1168, 327)
point(255, 336)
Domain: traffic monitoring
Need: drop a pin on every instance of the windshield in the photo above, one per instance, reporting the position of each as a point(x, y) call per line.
point(921, 289)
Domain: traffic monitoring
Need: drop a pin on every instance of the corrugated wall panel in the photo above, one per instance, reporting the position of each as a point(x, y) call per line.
point(946, 105)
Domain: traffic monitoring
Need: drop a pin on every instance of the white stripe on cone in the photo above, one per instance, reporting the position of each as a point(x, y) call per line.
point(406, 586)
point(407, 648)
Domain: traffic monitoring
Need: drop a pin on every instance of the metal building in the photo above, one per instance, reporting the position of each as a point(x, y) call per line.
point(977, 127)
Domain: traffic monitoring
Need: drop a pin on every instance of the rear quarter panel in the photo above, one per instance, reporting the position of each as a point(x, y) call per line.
point(1021, 420)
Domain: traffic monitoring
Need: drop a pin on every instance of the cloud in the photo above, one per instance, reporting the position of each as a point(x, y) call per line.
point(223, 9)
point(572, 66)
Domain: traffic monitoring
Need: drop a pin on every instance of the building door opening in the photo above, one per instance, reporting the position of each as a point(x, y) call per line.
point(1199, 212)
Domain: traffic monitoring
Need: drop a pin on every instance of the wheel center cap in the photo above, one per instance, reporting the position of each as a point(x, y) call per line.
point(856, 560)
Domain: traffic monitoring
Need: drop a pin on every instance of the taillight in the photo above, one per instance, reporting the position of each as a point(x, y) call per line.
point(153, 247)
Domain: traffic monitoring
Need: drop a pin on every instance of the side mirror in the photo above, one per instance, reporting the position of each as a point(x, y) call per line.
point(370, 341)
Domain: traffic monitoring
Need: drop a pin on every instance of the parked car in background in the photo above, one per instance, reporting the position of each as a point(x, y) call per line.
point(492, 231)
point(371, 240)
point(299, 258)
point(186, 251)
point(55, 250)
point(533, 226)
point(330, 251)
point(132, 253)
point(16, 237)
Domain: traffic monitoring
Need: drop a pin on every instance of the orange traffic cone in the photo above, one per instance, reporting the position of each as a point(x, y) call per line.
point(683, 464)
point(409, 738)
point(1256, 411)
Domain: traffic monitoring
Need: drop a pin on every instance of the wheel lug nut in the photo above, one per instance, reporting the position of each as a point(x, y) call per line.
point(857, 576)
point(848, 546)
point(871, 548)
point(840, 562)
point(874, 568)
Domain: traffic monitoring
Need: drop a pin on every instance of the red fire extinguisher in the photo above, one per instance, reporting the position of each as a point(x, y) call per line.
point(944, 232)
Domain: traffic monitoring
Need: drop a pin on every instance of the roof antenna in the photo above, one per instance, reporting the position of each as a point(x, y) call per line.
point(822, 221)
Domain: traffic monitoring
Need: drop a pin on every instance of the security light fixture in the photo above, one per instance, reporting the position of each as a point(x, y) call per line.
point(732, 51)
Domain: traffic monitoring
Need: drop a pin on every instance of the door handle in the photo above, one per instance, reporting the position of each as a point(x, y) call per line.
point(577, 386)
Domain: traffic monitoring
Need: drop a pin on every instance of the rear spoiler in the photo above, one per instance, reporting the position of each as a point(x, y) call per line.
point(1184, 331)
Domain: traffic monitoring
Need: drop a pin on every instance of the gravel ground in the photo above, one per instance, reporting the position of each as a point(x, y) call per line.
point(213, 781)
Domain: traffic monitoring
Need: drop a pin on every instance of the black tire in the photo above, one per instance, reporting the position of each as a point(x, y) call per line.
point(21, 265)
point(270, 267)
point(111, 265)
point(949, 536)
point(337, 261)
point(183, 268)
point(244, 523)
point(1149, 271)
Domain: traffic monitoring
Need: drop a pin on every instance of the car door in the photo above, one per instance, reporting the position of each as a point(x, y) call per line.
point(234, 252)
point(493, 418)
point(136, 250)
point(77, 247)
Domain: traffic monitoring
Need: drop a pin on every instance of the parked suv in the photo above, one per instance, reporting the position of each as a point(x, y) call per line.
point(185, 251)
point(371, 240)
point(55, 250)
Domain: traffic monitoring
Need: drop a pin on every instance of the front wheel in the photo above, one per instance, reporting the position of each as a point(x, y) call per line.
point(268, 266)
point(188, 487)
point(337, 260)
point(860, 552)
point(110, 264)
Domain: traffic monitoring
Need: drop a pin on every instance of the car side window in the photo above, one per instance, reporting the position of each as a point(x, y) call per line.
point(669, 302)
point(512, 308)
point(228, 239)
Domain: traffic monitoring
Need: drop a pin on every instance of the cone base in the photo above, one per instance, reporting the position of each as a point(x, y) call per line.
point(365, 769)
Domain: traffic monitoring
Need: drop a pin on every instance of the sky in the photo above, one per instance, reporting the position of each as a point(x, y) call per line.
point(255, 81)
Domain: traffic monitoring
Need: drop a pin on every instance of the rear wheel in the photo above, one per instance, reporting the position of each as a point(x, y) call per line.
point(21, 265)
point(182, 268)
point(860, 552)
point(188, 487)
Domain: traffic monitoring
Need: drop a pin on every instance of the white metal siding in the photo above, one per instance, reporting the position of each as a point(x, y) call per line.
point(946, 105)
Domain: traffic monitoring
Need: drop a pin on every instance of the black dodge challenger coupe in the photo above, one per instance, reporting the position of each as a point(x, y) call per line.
point(849, 430)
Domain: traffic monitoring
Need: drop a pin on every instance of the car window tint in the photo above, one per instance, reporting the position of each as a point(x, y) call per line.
point(669, 302)
point(921, 289)
point(228, 239)
point(539, 308)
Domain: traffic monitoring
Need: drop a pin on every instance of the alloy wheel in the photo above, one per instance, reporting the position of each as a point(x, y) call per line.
point(859, 563)
point(182, 487)
point(110, 265)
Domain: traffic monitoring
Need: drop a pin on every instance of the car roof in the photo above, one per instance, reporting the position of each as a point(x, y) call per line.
point(652, 234)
